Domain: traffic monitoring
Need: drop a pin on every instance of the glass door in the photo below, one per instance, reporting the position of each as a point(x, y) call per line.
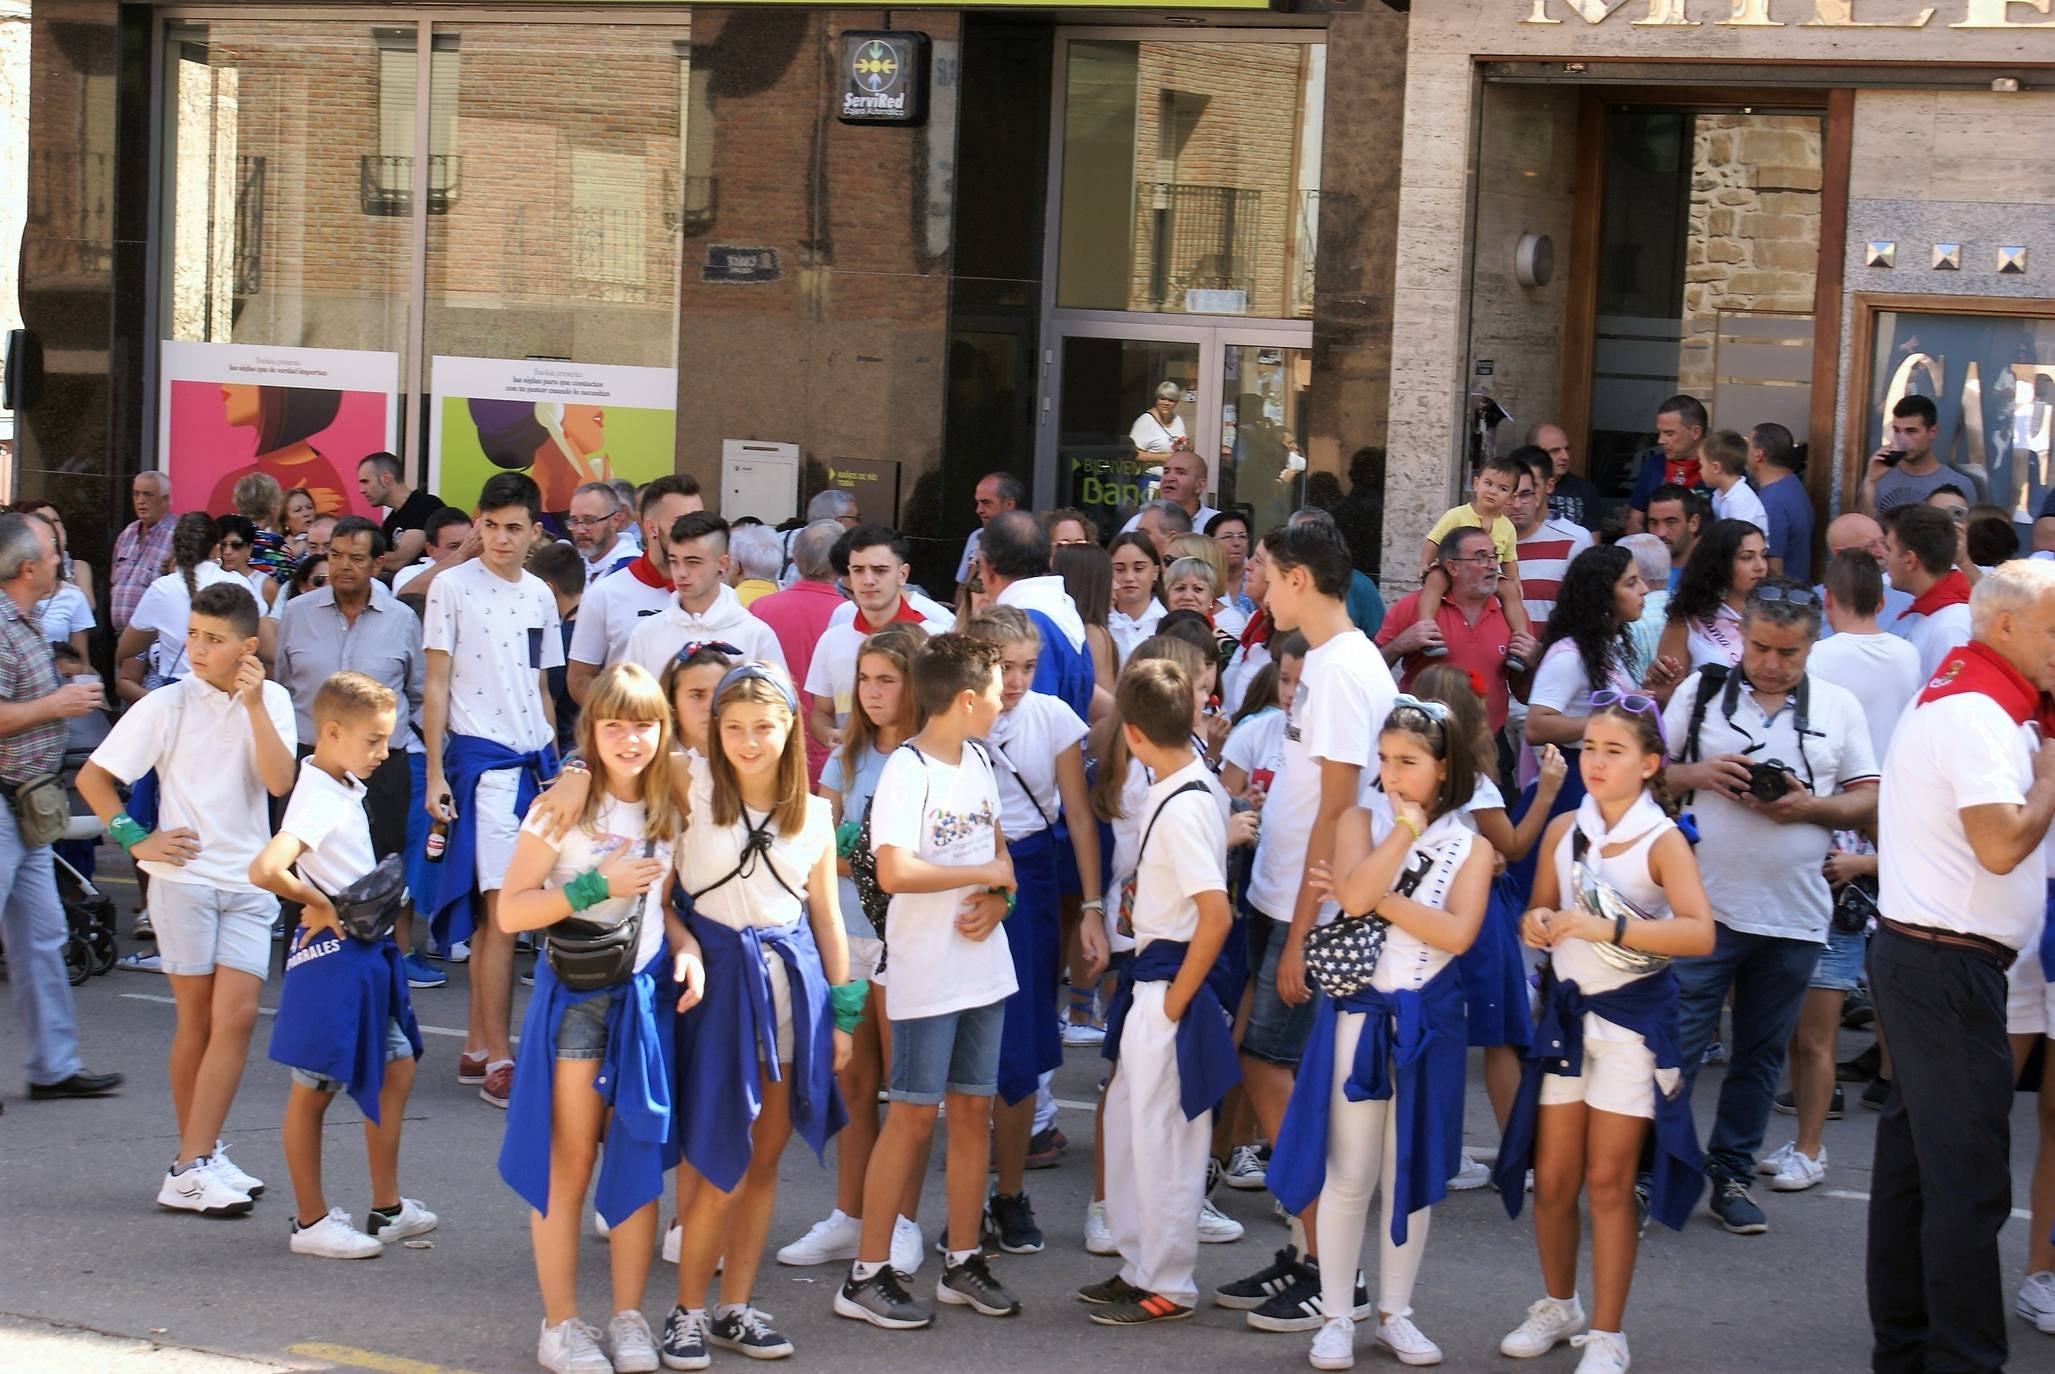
point(1262, 455)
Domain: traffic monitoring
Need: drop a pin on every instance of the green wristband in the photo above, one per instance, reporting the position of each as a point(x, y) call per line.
point(588, 889)
point(847, 999)
point(126, 831)
point(1012, 897)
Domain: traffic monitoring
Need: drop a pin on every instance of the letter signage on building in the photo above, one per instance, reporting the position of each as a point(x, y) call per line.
point(884, 77)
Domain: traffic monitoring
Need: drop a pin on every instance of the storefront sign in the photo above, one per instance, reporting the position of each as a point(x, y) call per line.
point(744, 266)
point(875, 484)
point(884, 77)
point(1811, 14)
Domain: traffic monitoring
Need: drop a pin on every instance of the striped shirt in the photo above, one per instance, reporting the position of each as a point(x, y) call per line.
point(139, 556)
point(1544, 557)
point(28, 672)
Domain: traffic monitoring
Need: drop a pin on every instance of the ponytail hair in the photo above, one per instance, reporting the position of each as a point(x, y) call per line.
point(192, 543)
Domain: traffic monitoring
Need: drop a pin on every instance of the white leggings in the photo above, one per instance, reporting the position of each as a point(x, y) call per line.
point(1362, 1147)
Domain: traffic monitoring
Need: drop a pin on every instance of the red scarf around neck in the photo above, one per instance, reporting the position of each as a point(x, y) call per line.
point(649, 574)
point(1974, 669)
point(1952, 590)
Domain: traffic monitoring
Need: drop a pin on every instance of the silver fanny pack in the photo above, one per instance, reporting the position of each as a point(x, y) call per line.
point(1609, 904)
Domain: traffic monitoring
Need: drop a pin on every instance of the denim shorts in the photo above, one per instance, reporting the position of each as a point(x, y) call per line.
point(1840, 965)
point(582, 1034)
point(397, 1046)
point(1277, 1031)
point(955, 1052)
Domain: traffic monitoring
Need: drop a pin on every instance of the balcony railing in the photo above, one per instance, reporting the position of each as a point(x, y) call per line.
point(385, 182)
point(1200, 238)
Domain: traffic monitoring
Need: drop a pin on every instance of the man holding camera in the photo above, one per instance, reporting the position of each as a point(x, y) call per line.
point(1778, 761)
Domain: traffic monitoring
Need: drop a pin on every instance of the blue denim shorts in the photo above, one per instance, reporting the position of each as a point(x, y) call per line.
point(582, 1034)
point(1840, 965)
point(1277, 1031)
point(955, 1052)
point(397, 1046)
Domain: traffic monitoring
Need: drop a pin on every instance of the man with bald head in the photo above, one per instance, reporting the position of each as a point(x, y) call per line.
point(1858, 531)
point(1183, 484)
point(1574, 497)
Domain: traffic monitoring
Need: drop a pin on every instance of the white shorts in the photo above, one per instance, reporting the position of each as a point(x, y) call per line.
point(496, 826)
point(864, 953)
point(1618, 1077)
point(2029, 996)
point(199, 928)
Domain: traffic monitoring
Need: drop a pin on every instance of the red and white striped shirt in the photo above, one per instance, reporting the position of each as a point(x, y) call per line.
point(1544, 556)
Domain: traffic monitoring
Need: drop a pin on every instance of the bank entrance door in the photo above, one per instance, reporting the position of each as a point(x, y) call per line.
point(1241, 408)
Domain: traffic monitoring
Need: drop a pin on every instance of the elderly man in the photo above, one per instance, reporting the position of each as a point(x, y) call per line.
point(1969, 790)
point(594, 522)
point(1182, 485)
point(996, 493)
point(829, 503)
point(1469, 628)
point(1652, 561)
point(1779, 761)
point(34, 706)
point(141, 548)
point(1162, 521)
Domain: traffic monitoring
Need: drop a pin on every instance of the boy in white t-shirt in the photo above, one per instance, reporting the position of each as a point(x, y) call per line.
point(1723, 459)
point(219, 740)
point(341, 995)
point(941, 853)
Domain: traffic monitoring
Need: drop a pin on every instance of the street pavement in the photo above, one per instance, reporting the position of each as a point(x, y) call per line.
point(93, 1276)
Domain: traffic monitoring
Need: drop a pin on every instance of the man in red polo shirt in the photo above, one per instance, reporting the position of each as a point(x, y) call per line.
point(1470, 630)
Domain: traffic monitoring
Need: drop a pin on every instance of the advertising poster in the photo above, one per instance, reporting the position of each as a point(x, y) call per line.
point(561, 423)
point(305, 416)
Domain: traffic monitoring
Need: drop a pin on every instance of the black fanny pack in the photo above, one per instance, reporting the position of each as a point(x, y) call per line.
point(589, 955)
point(368, 907)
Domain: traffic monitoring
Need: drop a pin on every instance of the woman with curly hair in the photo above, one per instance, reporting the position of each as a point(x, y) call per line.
point(1587, 649)
point(1704, 616)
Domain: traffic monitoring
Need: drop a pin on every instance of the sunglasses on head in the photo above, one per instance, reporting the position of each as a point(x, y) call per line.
point(1634, 703)
point(1789, 596)
point(1434, 713)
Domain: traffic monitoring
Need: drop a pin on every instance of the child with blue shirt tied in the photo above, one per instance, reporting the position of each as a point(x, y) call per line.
point(345, 1021)
point(218, 741)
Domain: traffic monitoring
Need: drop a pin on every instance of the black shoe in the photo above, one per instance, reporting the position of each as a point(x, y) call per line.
point(970, 1284)
point(1873, 1095)
point(881, 1300)
point(80, 1084)
point(1298, 1308)
point(684, 1343)
point(1045, 1149)
point(748, 1332)
point(1140, 1311)
point(1011, 1218)
point(1281, 1273)
point(1857, 1010)
point(1108, 1291)
point(1736, 1210)
point(1788, 1104)
point(1862, 1068)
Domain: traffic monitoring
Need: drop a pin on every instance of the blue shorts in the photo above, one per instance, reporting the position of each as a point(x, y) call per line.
point(1277, 1031)
point(582, 1033)
point(1840, 964)
point(956, 1052)
point(397, 1046)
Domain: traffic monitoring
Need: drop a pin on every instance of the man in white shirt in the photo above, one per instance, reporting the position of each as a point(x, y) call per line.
point(1769, 729)
point(1969, 790)
point(997, 493)
point(448, 536)
point(1919, 552)
point(877, 582)
point(704, 607)
point(1183, 485)
point(1881, 669)
point(615, 605)
point(594, 526)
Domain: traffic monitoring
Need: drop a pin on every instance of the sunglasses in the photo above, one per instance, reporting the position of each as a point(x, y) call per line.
point(235, 545)
point(1789, 596)
point(1634, 703)
point(318, 580)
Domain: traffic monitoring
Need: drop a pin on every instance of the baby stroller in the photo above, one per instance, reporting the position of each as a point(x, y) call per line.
point(88, 911)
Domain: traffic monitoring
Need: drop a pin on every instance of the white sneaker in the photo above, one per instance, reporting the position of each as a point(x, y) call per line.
point(1605, 1352)
point(1215, 1226)
point(1078, 1035)
point(631, 1343)
point(908, 1246)
point(1403, 1339)
point(335, 1236)
point(460, 953)
point(1245, 1169)
point(1334, 1345)
point(413, 1220)
point(1800, 1171)
point(2036, 1301)
point(828, 1241)
point(572, 1347)
point(1471, 1175)
point(200, 1189)
point(1769, 1165)
point(674, 1241)
point(232, 1176)
point(1549, 1323)
point(1098, 1235)
point(140, 962)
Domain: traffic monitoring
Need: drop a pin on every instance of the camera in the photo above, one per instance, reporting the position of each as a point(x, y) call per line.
point(1766, 780)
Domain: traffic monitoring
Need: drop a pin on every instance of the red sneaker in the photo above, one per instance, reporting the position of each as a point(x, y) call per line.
point(498, 1084)
point(471, 1068)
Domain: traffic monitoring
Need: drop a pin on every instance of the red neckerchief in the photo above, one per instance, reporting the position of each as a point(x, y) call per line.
point(649, 575)
point(1257, 631)
point(1952, 590)
point(1976, 669)
point(1682, 472)
point(906, 614)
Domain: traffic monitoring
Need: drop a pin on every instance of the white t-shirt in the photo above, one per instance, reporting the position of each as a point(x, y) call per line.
point(328, 818)
point(407, 574)
point(1151, 435)
point(1248, 661)
point(1739, 502)
point(500, 635)
point(939, 618)
point(970, 551)
point(608, 613)
point(166, 606)
point(1762, 877)
point(1256, 746)
point(610, 561)
point(1562, 685)
point(1187, 855)
point(1345, 692)
point(1024, 745)
point(1201, 517)
point(831, 676)
point(1128, 631)
point(945, 815)
point(711, 853)
point(619, 825)
point(657, 639)
point(200, 741)
point(64, 612)
point(1935, 634)
point(1881, 670)
point(1947, 755)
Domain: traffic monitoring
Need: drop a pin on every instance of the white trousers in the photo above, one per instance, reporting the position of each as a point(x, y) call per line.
point(1155, 1159)
point(1362, 1148)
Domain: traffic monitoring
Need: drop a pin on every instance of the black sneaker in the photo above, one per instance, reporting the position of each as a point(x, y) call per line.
point(1873, 1095)
point(1857, 1011)
point(970, 1284)
point(1115, 1289)
point(684, 1344)
point(1736, 1210)
point(1787, 1103)
point(1860, 1069)
point(881, 1300)
point(1045, 1149)
point(1011, 1218)
point(1140, 1310)
point(1284, 1270)
point(748, 1332)
point(1298, 1308)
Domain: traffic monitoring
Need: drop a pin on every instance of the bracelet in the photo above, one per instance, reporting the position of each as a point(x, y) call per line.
point(1097, 904)
point(588, 889)
point(1012, 898)
point(847, 1000)
point(845, 838)
point(574, 762)
point(1620, 930)
point(126, 831)
point(1409, 823)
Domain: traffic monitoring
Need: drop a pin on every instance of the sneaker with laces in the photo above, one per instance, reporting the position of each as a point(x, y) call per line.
point(1800, 1171)
point(1549, 1323)
point(1011, 1218)
point(200, 1189)
point(1108, 1291)
point(1083, 1035)
point(2036, 1301)
point(748, 1331)
point(498, 1084)
point(1786, 1102)
point(571, 1347)
point(1470, 1175)
point(1284, 1270)
point(970, 1284)
point(1217, 1227)
point(471, 1068)
point(232, 1176)
point(630, 1344)
point(335, 1236)
point(1335, 1345)
point(684, 1344)
point(881, 1300)
point(411, 1220)
point(1397, 1334)
point(1715, 1053)
point(1298, 1308)
point(906, 1246)
point(458, 953)
point(1140, 1310)
point(422, 974)
point(1605, 1352)
point(1736, 1209)
point(1245, 1170)
point(1098, 1235)
point(830, 1239)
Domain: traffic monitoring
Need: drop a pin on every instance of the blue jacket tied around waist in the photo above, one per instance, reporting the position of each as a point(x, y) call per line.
point(466, 759)
point(634, 1080)
point(1648, 1007)
point(334, 1003)
point(1413, 1042)
point(1206, 1062)
point(722, 1041)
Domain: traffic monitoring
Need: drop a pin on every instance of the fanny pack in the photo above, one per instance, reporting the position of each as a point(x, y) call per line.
point(589, 955)
point(368, 907)
point(41, 807)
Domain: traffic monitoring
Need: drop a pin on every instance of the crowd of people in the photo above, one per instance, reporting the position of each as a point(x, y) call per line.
point(1615, 794)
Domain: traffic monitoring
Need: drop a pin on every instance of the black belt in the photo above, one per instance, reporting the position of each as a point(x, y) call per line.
point(1997, 952)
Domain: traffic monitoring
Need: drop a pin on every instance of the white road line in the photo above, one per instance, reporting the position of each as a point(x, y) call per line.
point(273, 1011)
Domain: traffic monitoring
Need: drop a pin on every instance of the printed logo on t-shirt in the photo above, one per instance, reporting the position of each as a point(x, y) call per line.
point(953, 827)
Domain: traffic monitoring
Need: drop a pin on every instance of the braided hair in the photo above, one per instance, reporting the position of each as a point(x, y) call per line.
point(192, 543)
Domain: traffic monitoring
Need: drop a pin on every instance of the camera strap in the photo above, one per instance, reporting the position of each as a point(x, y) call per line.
point(1801, 718)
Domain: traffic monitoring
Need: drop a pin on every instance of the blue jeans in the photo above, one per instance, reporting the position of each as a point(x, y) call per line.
point(35, 930)
point(1768, 976)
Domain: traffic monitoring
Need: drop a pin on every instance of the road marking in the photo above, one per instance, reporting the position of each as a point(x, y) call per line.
point(369, 1359)
point(273, 1011)
point(1849, 1195)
